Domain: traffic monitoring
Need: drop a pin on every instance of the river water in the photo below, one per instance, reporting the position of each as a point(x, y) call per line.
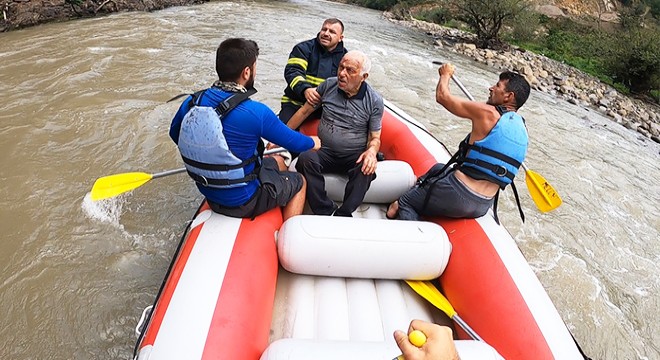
point(87, 98)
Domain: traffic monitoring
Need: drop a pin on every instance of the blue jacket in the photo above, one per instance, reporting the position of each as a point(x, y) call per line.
point(243, 128)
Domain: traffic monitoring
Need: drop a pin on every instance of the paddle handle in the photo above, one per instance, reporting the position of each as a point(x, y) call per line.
point(417, 338)
point(168, 172)
point(466, 327)
point(177, 171)
point(458, 82)
point(274, 151)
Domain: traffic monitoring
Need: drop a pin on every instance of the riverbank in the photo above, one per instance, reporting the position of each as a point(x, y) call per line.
point(549, 76)
point(544, 74)
point(17, 14)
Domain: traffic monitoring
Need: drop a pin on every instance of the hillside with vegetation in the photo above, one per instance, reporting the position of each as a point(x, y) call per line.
point(617, 42)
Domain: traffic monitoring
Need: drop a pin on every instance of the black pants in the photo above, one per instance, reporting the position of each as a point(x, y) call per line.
point(313, 164)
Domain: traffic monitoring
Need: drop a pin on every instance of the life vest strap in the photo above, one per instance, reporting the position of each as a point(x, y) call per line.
point(493, 153)
point(204, 181)
point(231, 102)
point(497, 169)
point(217, 167)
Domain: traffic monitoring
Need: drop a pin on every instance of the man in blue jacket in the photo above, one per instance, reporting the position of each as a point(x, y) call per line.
point(310, 63)
point(219, 139)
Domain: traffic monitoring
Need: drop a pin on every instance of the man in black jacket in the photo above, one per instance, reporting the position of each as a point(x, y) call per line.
point(310, 63)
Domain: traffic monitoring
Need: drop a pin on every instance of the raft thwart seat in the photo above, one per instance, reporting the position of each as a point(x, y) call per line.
point(393, 179)
point(363, 248)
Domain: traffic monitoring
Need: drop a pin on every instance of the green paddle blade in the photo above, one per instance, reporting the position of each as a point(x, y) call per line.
point(113, 185)
point(544, 195)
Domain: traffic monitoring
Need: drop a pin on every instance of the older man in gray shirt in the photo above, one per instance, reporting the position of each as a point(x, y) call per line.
point(350, 136)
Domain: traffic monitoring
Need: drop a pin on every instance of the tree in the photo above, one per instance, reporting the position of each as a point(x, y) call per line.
point(486, 17)
point(634, 59)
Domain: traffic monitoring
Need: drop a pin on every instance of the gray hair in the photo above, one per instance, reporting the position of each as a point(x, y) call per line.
point(363, 59)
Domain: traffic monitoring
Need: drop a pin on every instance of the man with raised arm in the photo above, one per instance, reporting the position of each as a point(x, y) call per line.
point(487, 160)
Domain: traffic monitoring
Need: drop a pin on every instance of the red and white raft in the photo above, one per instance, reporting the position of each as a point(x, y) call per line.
point(319, 287)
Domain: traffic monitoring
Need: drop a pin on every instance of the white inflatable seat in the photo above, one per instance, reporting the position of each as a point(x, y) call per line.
point(393, 179)
point(363, 248)
point(299, 349)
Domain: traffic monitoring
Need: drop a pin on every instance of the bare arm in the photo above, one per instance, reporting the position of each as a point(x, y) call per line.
point(482, 115)
point(300, 116)
point(368, 157)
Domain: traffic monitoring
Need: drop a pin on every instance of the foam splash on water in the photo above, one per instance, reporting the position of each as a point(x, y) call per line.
point(108, 210)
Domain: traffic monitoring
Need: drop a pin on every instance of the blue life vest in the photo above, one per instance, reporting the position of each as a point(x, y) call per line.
point(495, 158)
point(499, 155)
point(204, 149)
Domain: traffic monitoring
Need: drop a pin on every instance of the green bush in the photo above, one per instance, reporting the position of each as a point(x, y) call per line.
point(439, 15)
point(655, 8)
point(559, 43)
point(375, 4)
point(634, 60)
point(655, 94)
point(525, 26)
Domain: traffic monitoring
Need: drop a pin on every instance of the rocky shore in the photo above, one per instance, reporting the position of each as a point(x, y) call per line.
point(543, 74)
point(551, 77)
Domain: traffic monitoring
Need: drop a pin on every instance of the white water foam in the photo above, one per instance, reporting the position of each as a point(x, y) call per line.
point(107, 211)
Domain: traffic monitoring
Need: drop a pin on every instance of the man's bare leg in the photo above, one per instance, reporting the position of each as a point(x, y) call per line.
point(280, 161)
point(296, 205)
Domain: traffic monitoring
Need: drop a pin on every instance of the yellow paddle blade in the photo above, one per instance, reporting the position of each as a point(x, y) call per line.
point(113, 185)
point(544, 195)
point(429, 292)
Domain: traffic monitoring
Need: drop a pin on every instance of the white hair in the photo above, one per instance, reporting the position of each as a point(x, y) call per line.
point(363, 59)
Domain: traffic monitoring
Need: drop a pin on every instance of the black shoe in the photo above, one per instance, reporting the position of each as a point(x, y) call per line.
point(335, 207)
point(337, 212)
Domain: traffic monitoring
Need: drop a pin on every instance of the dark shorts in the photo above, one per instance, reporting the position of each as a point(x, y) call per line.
point(449, 197)
point(277, 189)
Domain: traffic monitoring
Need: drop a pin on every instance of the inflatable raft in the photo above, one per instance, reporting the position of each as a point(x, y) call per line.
point(321, 287)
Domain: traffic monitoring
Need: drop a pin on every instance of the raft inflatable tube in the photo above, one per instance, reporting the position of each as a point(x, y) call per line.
point(363, 248)
point(393, 179)
point(297, 349)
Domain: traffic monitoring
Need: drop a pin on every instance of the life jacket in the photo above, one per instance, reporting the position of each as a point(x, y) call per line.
point(204, 149)
point(495, 158)
point(499, 155)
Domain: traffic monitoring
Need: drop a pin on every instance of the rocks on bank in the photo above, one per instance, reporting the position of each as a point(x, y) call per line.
point(551, 77)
